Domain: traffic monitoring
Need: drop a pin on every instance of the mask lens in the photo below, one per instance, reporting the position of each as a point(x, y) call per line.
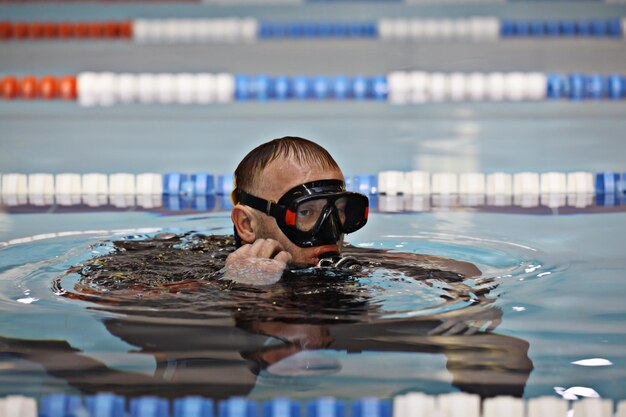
point(308, 212)
point(350, 212)
point(341, 205)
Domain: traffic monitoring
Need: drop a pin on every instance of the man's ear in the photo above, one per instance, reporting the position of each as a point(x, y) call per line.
point(243, 221)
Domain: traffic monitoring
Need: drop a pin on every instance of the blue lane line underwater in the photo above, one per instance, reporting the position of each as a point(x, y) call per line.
point(412, 404)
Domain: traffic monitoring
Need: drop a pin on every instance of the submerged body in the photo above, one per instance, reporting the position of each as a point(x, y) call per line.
point(218, 312)
point(214, 337)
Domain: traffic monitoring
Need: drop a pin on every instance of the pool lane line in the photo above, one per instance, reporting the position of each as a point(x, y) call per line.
point(389, 192)
point(398, 87)
point(539, 205)
point(589, 404)
point(248, 29)
point(418, 183)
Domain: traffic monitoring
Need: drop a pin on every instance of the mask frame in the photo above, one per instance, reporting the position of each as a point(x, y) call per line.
point(328, 229)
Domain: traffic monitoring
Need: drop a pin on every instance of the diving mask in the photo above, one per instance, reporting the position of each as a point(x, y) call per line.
point(315, 213)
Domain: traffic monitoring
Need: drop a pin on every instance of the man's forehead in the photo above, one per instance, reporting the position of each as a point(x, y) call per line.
point(282, 174)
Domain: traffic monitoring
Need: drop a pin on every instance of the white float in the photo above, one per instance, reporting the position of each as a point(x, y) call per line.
point(67, 184)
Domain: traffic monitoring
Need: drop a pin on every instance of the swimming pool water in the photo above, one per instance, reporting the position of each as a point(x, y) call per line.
point(560, 278)
point(559, 295)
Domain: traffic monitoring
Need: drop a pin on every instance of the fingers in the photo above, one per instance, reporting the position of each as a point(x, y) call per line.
point(265, 248)
point(261, 248)
point(283, 257)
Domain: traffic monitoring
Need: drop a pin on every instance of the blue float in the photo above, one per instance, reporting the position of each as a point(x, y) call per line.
point(262, 87)
point(607, 182)
point(325, 29)
point(59, 405)
point(326, 407)
point(521, 28)
point(599, 28)
point(373, 202)
point(301, 87)
point(616, 87)
point(607, 200)
point(149, 407)
point(173, 202)
point(237, 407)
point(203, 203)
point(568, 28)
point(265, 30)
point(365, 184)
point(537, 28)
point(280, 30)
point(340, 29)
point(341, 87)
point(370, 29)
point(552, 28)
point(281, 407)
point(310, 30)
point(379, 87)
point(224, 202)
point(193, 407)
point(105, 405)
point(556, 87)
point(614, 28)
point(225, 184)
point(203, 184)
point(242, 87)
point(371, 407)
point(576, 86)
point(595, 86)
point(321, 87)
point(361, 88)
point(281, 87)
point(506, 28)
point(583, 27)
point(294, 30)
point(355, 30)
point(173, 183)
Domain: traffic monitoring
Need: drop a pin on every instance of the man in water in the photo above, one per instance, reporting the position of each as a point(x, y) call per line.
point(215, 338)
point(292, 208)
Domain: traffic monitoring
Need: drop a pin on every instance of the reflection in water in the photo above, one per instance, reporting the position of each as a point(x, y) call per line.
point(212, 337)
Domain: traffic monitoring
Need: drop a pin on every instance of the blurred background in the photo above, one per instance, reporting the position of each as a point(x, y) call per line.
point(578, 128)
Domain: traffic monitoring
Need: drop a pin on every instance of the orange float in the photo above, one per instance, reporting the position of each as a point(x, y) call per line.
point(66, 30)
point(35, 30)
point(20, 30)
point(29, 87)
point(49, 87)
point(81, 30)
point(50, 30)
point(96, 30)
point(67, 87)
point(126, 29)
point(9, 88)
point(6, 30)
point(111, 29)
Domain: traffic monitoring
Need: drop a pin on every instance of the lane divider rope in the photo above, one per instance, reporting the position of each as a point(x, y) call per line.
point(412, 404)
point(417, 183)
point(241, 30)
point(397, 87)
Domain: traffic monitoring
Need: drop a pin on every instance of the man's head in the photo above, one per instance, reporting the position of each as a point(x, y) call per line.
point(276, 170)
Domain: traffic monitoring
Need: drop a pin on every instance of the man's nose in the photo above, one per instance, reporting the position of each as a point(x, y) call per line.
point(331, 227)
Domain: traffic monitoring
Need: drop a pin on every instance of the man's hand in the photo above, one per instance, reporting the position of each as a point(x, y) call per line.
point(260, 263)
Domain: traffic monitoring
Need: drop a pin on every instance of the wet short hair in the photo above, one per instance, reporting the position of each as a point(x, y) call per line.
point(301, 150)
